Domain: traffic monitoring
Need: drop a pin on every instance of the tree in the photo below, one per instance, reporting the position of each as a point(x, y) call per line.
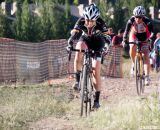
point(29, 23)
point(3, 26)
point(45, 23)
point(6, 26)
point(119, 16)
point(113, 15)
point(18, 23)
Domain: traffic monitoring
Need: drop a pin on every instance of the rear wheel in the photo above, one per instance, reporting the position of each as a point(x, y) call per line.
point(90, 94)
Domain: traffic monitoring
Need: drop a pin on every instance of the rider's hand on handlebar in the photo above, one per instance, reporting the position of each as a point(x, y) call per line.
point(69, 48)
point(124, 43)
point(70, 45)
point(104, 49)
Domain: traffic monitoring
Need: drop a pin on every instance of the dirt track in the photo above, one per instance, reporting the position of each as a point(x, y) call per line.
point(114, 89)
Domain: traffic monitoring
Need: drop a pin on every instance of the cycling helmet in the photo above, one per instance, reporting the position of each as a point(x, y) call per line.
point(91, 12)
point(93, 4)
point(139, 11)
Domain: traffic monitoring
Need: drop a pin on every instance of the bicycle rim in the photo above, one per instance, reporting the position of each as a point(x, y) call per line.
point(90, 94)
point(142, 75)
point(84, 92)
point(137, 70)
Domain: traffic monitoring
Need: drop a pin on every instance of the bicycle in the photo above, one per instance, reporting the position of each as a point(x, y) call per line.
point(157, 62)
point(139, 68)
point(86, 82)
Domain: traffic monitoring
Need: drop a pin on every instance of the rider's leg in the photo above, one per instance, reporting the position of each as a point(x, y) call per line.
point(146, 66)
point(78, 63)
point(132, 53)
point(97, 80)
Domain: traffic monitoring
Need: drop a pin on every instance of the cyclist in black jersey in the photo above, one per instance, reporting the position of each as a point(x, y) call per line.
point(92, 27)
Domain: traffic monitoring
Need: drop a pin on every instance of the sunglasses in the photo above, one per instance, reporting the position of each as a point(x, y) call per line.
point(90, 20)
point(139, 17)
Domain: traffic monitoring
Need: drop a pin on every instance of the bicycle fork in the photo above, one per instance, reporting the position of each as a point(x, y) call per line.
point(141, 69)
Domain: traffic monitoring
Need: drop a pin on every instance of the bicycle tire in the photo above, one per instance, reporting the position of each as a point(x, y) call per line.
point(137, 73)
point(142, 75)
point(90, 94)
point(139, 68)
point(84, 91)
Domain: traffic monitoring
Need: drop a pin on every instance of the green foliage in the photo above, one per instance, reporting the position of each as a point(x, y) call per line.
point(6, 27)
point(2, 25)
point(75, 2)
point(29, 23)
point(108, 10)
point(54, 22)
point(8, 1)
point(119, 17)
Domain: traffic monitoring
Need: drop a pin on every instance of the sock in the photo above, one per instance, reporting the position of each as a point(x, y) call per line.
point(97, 95)
point(77, 76)
point(132, 66)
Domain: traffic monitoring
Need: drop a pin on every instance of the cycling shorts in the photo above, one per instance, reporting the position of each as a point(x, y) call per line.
point(95, 42)
point(144, 47)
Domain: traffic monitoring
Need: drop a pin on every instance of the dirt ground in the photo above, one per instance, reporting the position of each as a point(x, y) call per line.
point(113, 89)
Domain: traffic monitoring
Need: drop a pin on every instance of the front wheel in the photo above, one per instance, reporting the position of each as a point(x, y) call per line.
point(139, 71)
point(85, 107)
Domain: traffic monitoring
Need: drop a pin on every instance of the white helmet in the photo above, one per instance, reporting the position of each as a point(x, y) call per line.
point(139, 11)
point(91, 12)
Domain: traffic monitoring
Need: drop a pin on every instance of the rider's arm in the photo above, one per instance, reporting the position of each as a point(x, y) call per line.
point(148, 22)
point(102, 25)
point(77, 29)
point(127, 29)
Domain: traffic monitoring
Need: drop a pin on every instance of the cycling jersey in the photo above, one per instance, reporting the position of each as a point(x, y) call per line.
point(140, 32)
point(91, 36)
point(99, 27)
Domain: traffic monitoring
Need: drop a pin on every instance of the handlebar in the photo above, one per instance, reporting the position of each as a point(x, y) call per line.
point(83, 51)
point(136, 42)
point(139, 42)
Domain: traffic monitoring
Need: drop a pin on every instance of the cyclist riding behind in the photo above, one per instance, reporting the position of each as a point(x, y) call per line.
point(139, 28)
point(91, 26)
point(157, 51)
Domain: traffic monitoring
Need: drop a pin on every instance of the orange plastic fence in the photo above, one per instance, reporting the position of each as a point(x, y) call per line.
point(37, 62)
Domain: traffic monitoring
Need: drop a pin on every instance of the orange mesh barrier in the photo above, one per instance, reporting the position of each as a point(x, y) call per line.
point(37, 62)
point(32, 62)
point(112, 65)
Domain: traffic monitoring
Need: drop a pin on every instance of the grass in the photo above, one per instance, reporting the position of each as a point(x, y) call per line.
point(126, 67)
point(27, 104)
point(128, 114)
point(23, 105)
